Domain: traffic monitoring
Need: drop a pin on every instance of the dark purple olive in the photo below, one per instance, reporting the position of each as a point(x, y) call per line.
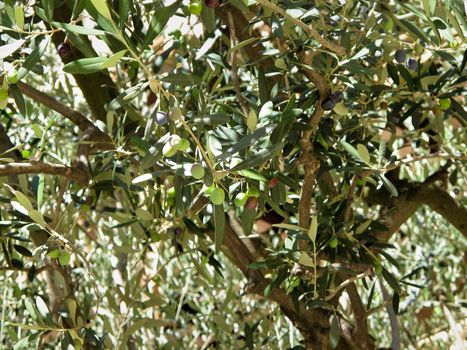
point(178, 231)
point(337, 97)
point(400, 56)
point(64, 50)
point(412, 64)
point(161, 118)
point(212, 3)
point(328, 104)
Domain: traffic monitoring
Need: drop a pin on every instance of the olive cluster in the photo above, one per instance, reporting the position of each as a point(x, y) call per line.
point(401, 57)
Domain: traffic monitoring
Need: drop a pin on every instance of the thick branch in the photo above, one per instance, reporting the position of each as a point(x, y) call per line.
point(43, 168)
point(440, 201)
point(361, 328)
point(309, 158)
point(74, 116)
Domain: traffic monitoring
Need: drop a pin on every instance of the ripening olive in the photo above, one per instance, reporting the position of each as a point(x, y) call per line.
point(212, 3)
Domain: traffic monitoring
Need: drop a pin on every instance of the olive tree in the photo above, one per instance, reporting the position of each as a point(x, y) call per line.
point(236, 174)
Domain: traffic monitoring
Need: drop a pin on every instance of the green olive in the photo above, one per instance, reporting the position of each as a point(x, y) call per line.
point(197, 171)
point(217, 196)
point(12, 77)
point(195, 8)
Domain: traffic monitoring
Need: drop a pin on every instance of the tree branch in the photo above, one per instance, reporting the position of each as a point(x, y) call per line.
point(361, 329)
point(44, 168)
point(83, 123)
point(307, 28)
point(309, 158)
point(441, 201)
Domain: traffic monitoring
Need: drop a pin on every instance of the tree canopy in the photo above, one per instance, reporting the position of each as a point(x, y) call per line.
point(236, 174)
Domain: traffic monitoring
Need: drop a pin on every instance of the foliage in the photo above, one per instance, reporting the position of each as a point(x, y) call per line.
point(242, 174)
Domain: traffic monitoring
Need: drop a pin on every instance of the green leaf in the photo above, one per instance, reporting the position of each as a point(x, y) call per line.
point(252, 174)
point(26, 342)
point(42, 307)
point(313, 229)
point(23, 200)
point(393, 73)
point(123, 12)
point(212, 119)
point(414, 31)
point(8, 49)
point(19, 99)
point(31, 309)
point(335, 332)
point(19, 17)
point(266, 110)
point(143, 214)
point(33, 58)
point(219, 225)
point(306, 260)
point(37, 217)
point(78, 29)
point(114, 59)
point(364, 153)
point(22, 250)
point(389, 186)
point(352, 150)
point(242, 44)
point(85, 65)
point(102, 8)
point(161, 16)
point(290, 227)
point(182, 79)
point(392, 281)
point(259, 158)
point(246, 141)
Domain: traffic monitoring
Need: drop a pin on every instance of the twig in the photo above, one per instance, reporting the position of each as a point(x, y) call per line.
point(347, 282)
point(233, 58)
point(307, 28)
point(406, 161)
point(44, 168)
point(351, 192)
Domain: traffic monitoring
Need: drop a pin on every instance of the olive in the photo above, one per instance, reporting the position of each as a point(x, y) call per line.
point(195, 8)
point(400, 56)
point(161, 118)
point(64, 50)
point(251, 203)
point(337, 97)
point(412, 64)
point(328, 104)
point(12, 77)
point(217, 196)
point(212, 3)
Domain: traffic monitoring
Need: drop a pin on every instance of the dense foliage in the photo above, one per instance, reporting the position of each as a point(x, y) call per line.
point(241, 174)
